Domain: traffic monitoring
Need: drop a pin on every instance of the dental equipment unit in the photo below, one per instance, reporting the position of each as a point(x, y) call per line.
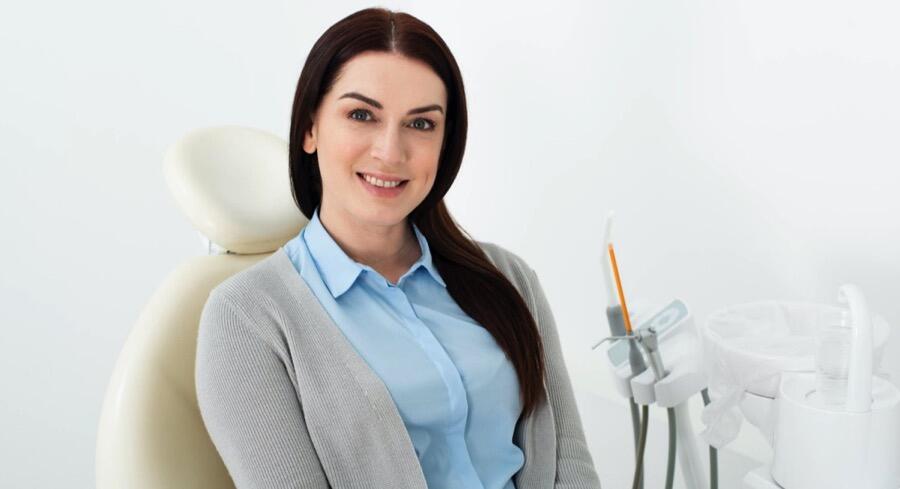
point(668, 382)
point(803, 374)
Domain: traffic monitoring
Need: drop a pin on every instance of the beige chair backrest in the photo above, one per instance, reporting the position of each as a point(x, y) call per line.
point(233, 185)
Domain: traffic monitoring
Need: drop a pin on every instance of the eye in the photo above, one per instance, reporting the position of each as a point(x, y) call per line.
point(430, 127)
point(360, 111)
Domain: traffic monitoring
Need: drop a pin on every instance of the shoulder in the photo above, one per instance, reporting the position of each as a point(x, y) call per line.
point(512, 265)
point(253, 286)
point(503, 257)
point(251, 303)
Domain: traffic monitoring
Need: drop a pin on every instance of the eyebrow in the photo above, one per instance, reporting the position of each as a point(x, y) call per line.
point(378, 105)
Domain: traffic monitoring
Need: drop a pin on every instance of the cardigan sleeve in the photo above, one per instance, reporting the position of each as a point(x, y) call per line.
point(249, 405)
point(574, 465)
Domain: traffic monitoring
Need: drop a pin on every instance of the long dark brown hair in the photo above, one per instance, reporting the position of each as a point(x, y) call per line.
point(477, 286)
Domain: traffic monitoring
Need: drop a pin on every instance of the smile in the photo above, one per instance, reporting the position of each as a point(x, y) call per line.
point(380, 188)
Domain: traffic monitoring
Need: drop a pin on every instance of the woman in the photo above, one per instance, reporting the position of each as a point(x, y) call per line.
point(381, 347)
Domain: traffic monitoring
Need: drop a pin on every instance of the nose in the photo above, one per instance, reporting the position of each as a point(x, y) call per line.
point(388, 145)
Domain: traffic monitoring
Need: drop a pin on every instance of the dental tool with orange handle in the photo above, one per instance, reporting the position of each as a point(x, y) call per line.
point(615, 267)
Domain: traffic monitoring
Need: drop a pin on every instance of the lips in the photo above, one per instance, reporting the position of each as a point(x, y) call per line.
point(383, 178)
point(382, 191)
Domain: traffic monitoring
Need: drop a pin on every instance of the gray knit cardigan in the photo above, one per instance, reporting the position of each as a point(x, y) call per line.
point(289, 403)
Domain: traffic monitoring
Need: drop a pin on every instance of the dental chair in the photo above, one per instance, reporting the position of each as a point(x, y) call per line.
point(233, 185)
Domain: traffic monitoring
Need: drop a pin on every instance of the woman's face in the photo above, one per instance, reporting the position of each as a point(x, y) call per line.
point(384, 116)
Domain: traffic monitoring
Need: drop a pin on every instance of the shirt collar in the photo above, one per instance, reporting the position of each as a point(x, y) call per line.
point(339, 271)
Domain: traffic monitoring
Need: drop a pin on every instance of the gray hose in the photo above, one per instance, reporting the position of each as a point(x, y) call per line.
point(639, 468)
point(670, 465)
point(617, 328)
point(713, 455)
point(636, 429)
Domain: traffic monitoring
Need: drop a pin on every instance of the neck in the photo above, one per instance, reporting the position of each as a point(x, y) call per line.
point(379, 246)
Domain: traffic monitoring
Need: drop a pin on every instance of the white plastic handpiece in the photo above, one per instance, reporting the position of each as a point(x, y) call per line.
point(859, 375)
point(611, 298)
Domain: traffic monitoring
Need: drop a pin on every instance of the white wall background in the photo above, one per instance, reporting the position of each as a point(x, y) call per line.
point(749, 148)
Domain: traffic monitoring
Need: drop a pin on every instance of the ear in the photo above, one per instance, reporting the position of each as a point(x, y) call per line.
point(309, 139)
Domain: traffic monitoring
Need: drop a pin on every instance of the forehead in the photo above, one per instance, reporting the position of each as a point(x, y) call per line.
point(398, 82)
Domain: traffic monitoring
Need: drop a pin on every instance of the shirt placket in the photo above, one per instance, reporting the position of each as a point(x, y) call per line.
point(424, 337)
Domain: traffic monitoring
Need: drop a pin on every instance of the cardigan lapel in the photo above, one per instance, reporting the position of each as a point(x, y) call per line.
point(350, 415)
point(535, 435)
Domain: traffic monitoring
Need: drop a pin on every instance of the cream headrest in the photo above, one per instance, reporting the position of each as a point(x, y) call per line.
point(233, 184)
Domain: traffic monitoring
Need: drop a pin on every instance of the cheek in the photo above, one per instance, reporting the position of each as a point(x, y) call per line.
point(427, 166)
point(343, 147)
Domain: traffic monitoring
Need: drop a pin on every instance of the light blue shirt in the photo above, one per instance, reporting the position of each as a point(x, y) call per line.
point(456, 391)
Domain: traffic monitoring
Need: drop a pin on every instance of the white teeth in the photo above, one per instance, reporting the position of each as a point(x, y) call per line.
point(380, 183)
